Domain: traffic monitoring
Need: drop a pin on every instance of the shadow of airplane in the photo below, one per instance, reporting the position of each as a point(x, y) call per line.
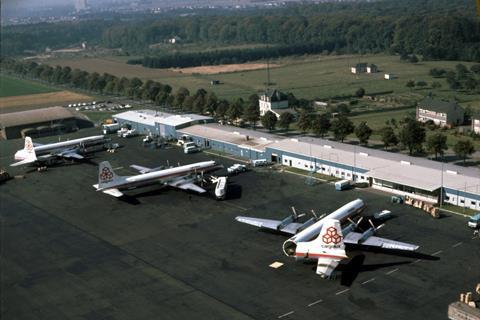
point(356, 265)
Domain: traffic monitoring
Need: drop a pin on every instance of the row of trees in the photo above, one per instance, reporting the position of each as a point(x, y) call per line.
point(412, 136)
point(341, 30)
point(190, 59)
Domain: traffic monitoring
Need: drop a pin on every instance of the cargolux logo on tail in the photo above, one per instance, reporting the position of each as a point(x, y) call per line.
point(29, 145)
point(331, 236)
point(106, 175)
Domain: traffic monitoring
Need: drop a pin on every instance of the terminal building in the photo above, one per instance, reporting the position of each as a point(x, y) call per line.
point(398, 174)
point(150, 122)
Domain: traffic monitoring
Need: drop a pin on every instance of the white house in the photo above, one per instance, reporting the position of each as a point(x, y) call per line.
point(274, 101)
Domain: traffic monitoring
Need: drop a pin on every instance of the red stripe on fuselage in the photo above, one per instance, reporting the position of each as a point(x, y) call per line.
point(319, 255)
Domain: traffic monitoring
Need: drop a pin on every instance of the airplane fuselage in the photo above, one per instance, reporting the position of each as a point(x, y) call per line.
point(162, 176)
point(52, 148)
point(350, 210)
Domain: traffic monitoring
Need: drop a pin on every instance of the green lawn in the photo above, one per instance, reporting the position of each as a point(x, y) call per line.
point(10, 87)
point(326, 76)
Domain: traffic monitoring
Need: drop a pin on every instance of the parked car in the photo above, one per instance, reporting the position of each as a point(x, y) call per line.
point(236, 168)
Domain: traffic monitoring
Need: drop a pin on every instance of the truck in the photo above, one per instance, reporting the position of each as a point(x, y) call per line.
point(474, 221)
point(259, 162)
point(190, 147)
point(184, 139)
point(110, 128)
point(221, 188)
point(343, 185)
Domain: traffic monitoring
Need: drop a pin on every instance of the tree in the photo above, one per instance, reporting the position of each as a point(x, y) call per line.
point(421, 83)
point(412, 136)
point(252, 114)
point(211, 103)
point(410, 84)
point(475, 68)
point(413, 58)
point(269, 120)
point(436, 144)
point(388, 137)
point(235, 111)
point(321, 124)
point(360, 92)
point(286, 118)
point(304, 121)
point(222, 108)
point(342, 127)
point(463, 148)
point(436, 85)
point(342, 108)
point(363, 132)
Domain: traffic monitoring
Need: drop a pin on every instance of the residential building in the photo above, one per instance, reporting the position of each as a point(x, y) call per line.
point(442, 113)
point(476, 123)
point(274, 101)
point(372, 68)
point(359, 68)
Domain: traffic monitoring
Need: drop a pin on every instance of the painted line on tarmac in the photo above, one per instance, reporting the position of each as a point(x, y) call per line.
point(418, 260)
point(314, 303)
point(437, 253)
point(286, 314)
point(340, 292)
point(117, 168)
point(457, 244)
point(369, 280)
point(235, 206)
point(392, 271)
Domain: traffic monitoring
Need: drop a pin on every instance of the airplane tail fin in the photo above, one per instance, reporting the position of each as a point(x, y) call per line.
point(27, 155)
point(106, 176)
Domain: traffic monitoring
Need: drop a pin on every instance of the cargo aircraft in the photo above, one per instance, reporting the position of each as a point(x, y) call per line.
point(323, 238)
point(35, 153)
point(182, 177)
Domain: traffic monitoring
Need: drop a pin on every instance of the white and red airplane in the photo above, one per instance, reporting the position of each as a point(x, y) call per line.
point(324, 239)
point(43, 153)
point(182, 177)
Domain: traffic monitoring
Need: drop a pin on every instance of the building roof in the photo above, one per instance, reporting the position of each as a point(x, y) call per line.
point(438, 105)
point(415, 172)
point(34, 116)
point(248, 139)
point(150, 117)
point(275, 95)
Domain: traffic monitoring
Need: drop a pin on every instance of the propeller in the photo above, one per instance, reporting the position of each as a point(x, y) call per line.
point(316, 216)
point(373, 226)
point(296, 215)
point(356, 224)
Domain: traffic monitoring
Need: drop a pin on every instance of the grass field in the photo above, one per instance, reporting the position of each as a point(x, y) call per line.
point(10, 87)
point(307, 77)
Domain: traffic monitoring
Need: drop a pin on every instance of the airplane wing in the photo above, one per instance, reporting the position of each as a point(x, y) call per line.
point(325, 266)
point(290, 228)
point(187, 186)
point(113, 192)
point(140, 169)
point(71, 155)
point(19, 163)
point(373, 241)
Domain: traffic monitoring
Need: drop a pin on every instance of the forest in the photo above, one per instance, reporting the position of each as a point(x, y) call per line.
point(438, 30)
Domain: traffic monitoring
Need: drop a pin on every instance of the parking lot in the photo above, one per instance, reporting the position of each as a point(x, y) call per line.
point(71, 252)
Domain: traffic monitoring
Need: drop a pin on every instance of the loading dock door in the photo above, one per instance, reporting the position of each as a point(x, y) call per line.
point(274, 158)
